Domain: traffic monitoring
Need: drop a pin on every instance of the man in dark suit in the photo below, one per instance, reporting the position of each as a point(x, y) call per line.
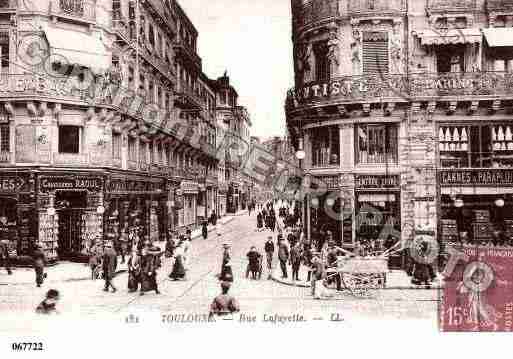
point(109, 264)
point(283, 255)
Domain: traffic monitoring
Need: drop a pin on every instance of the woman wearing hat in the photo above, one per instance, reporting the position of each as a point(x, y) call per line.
point(226, 267)
point(178, 272)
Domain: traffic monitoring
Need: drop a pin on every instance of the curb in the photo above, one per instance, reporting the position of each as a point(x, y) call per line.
point(212, 229)
point(302, 284)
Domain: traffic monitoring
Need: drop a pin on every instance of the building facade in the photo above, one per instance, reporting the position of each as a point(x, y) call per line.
point(107, 124)
point(404, 111)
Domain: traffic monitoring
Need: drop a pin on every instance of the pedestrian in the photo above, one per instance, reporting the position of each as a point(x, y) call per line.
point(49, 304)
point(269, 251)
point(123, 245)
point(226, 268)
point(150, 262)
point(134, 271)
point(178, 271)
point(187, 253)
point(39, 260)
point(204, 230)
point(295, 261)
point(95, 261)
point(170, 246)
point(224, 304)
point(259, 221)
point(254, 264)
point(319, 275)
point(4, 256)
point(283, 256)
point(109, 264)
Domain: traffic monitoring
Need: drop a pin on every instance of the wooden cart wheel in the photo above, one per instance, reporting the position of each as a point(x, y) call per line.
point(357, 284)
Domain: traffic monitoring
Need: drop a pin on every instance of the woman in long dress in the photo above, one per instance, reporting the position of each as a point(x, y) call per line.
point(134, 271)
point(226, 267)
point(178, 272)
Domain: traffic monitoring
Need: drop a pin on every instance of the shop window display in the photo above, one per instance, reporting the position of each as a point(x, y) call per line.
point(376, 144)
point(325, 146)
point(476, 146)
point(477, 220)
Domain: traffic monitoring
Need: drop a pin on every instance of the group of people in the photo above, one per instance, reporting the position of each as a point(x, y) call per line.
point(38, 261)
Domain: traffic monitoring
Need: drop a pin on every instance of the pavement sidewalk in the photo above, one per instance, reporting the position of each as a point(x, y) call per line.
point(396, 279)
point(75, 272)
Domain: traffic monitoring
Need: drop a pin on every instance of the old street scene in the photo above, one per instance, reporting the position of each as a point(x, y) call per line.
point(143, 169)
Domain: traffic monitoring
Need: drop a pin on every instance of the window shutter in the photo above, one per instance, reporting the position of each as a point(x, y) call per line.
point(375, 53)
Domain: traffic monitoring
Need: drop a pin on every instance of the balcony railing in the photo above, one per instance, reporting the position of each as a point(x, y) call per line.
point(5, 157)
point(403, 88)
point(84, 10)
point(315, 11)
point(121, 25)
point(70, 159)
point(499, 5)
point(188, 97)
point(369, 7)
point(451, 5)
point(8, 5)
point(184, 50)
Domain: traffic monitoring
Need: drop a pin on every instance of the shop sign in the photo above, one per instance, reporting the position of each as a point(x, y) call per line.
point(332, 182)
point(11, 184)
point(70, 183)
point(189, 187)
point(480, 177)
point(122, 186)
point(376, 182)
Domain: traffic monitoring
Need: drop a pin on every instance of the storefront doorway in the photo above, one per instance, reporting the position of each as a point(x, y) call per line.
point(71, 206)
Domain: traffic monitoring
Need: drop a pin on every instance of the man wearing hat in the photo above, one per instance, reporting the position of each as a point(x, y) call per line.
point(48, 305)
point(224, 303)
point(109, 263)
point(269, 251)
point(39, 261)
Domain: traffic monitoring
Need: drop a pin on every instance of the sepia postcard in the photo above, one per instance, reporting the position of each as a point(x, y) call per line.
point(243, 169)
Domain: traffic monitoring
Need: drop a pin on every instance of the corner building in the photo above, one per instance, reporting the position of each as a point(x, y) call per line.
point(404, 110)
point(78, 168)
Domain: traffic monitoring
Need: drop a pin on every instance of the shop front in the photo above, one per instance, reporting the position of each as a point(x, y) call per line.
point(188, 214)
point(136, 204)
point(476, 206)
point(18, 220)
point(377, 209)
point(233, 198)
point(222, 199)
point(70, 212)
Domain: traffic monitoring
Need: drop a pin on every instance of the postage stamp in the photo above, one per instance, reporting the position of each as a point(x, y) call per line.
point(478, 295)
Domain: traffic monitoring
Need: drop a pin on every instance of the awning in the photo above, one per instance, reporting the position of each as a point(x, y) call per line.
point(451, 36)
point(499, 36)
point(78, 48)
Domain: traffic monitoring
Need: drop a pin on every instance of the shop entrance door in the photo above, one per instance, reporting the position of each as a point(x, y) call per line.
point(71, 206)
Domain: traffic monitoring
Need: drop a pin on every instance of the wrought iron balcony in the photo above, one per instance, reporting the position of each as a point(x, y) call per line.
point(402, 88)
point(499, 5)
point(187, 98)
point(5, 157)
point(375, 7)
point(188, 54)
point(313, 12)
point(82, 10)
point(441, 6)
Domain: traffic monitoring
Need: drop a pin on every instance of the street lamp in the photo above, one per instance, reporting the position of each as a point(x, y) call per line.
point(300, 154)
point(499, 202)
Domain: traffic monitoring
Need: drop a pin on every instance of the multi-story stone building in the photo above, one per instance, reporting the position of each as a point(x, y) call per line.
point(102, 131)
point(404, 111)
point(233, 136)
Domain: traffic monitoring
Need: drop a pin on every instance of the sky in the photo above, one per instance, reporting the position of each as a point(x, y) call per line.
point(252, 41)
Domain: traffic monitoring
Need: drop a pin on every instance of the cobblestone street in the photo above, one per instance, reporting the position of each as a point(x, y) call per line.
point(85, 297)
